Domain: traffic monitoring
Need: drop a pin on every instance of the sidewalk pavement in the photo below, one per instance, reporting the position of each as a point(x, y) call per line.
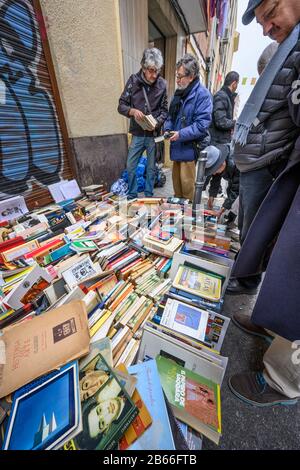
point(245, 427)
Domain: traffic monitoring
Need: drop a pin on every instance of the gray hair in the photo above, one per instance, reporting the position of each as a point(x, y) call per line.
point(266, 56)
point(152, 58)
point(190, 65)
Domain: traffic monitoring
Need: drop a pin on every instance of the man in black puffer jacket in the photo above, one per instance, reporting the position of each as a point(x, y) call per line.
point(264, 145)
point(222, 121)
point(223, 108)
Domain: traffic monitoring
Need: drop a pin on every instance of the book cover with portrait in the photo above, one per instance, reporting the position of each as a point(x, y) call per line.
point(107, 409)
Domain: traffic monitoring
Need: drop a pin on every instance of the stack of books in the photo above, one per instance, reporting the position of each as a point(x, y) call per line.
point(143, 289)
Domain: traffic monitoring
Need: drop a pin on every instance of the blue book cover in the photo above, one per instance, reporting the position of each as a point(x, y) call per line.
point(45, 412)
point(159, 435)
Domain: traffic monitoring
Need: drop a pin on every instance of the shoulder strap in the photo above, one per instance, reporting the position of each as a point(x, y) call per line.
point(147, 101)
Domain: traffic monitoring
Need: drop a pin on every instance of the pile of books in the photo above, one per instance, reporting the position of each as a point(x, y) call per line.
point(142, 292)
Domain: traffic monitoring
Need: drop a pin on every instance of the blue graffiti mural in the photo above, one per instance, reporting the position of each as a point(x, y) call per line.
point(30, 140)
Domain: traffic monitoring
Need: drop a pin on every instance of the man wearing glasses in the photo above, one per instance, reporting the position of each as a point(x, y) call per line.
point(145, 93)
point(189, 118)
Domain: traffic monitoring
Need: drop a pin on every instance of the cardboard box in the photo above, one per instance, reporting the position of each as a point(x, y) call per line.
point(34, 347)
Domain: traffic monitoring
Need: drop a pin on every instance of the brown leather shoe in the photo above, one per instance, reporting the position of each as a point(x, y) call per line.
point(252, 388)
point(244, 323)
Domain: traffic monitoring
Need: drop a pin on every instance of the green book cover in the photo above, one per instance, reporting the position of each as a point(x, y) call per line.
point(107, 409)
point(194, 399)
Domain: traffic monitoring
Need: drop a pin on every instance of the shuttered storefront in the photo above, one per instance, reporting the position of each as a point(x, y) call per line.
point(33, 140)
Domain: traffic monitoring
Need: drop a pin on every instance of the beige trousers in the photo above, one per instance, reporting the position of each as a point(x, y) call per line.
point(282, 367)
point(184, 175)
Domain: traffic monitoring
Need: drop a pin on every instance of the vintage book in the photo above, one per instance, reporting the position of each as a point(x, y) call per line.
point(38, 419)
point(195, 400)
point(159, 435)
point(139, 425)
point(44, 343)
point(107, 409)
point(103, 347)
point(185, 319)
point(31, 285)
point(202, 361)
point(165, 249)
point(79, 271)
point(127, 381)
point(148, 122)
point(198, 283)
point(19, 251)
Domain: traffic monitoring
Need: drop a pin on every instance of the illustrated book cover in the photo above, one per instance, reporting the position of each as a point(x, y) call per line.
point(107, 409)
point(45, 412)
point(195, 400)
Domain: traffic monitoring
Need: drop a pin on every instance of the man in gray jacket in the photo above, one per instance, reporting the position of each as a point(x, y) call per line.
point(265, 133)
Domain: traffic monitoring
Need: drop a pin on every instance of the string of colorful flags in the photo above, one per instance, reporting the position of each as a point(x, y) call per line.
point(252, 81)
point(244, 81)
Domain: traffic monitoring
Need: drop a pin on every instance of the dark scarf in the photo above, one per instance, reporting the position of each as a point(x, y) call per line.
point(180, 95)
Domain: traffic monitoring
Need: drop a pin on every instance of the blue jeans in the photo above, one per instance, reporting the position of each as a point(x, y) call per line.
point(254, 186)
point(137, 147)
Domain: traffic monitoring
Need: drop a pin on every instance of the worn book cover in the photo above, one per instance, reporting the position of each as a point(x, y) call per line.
point(139, 425)
point(195, 399)
point(107, 409)
point(199, 283)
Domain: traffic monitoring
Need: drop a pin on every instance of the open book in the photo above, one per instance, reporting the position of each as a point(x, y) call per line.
point(148, 123)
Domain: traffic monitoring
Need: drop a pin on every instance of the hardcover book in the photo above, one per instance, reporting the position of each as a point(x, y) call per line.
point(45, 412)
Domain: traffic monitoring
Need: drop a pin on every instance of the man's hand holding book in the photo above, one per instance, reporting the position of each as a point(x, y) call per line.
point(147, 122)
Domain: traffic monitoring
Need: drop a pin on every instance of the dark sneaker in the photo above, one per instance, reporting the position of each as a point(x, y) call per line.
point(244, 323)
point(252, 388)
point(235, 288)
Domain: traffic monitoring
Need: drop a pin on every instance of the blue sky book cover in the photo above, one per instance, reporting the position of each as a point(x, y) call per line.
point(45, 412)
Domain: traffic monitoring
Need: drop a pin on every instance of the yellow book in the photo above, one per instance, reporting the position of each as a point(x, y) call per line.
point(197, 282)
point(99, 323)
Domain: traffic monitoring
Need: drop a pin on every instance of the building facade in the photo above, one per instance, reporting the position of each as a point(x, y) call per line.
point(63, 66)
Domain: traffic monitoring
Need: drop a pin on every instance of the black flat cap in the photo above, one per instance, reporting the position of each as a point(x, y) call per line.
point(249, 14)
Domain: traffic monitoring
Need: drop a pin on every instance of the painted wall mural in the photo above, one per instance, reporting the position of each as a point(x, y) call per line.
point(30, 138)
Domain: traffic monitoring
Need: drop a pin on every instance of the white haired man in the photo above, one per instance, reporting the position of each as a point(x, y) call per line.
point(145, 93)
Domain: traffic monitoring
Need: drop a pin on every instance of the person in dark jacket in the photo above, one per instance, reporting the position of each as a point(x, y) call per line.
point(265, 132)
point(189, 118)
point(227, 170)
point(222, 120)
point(223, 108)
point(276, 227)
point(145, 93)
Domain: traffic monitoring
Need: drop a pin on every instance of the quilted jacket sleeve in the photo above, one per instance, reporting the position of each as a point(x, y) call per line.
point(220, 118)
point(201, 119)
point(294, 96)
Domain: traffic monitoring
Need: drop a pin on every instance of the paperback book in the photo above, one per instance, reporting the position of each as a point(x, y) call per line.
point(195, 400)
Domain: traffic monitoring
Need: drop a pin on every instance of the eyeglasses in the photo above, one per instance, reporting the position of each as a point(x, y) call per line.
point(180, 77)
point(153, 71)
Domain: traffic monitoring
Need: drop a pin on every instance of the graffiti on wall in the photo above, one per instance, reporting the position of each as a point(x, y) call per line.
point(30, 139)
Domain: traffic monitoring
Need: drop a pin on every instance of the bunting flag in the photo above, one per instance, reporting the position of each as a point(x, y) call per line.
point(252, 81)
